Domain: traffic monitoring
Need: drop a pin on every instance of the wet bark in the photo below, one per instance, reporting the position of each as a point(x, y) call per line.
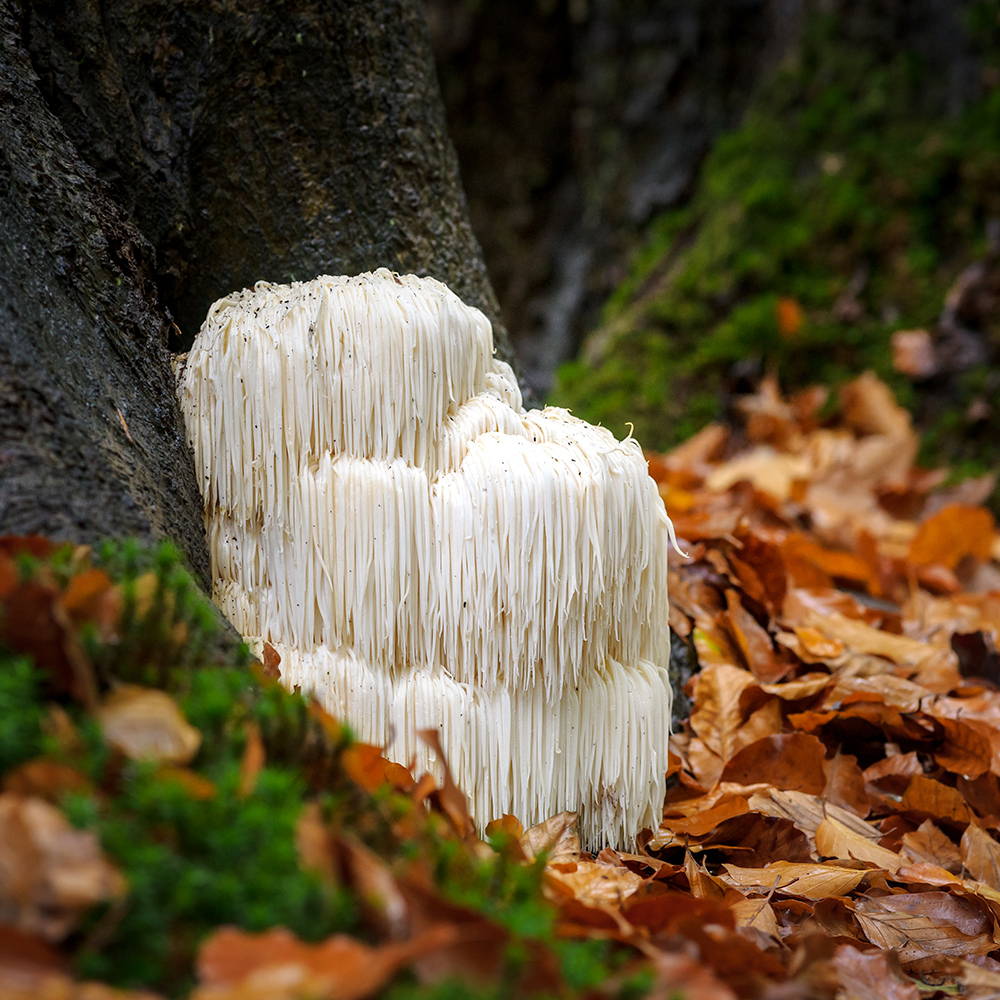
point(158, 155)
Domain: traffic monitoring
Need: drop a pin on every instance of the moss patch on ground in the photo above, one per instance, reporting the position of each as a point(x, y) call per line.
point(254, 826)
point(840, 211)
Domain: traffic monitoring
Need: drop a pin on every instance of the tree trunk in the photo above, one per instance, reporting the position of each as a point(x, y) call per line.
point(158, 155)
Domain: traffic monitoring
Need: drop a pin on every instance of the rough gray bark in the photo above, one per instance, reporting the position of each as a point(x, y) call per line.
point(157, 155)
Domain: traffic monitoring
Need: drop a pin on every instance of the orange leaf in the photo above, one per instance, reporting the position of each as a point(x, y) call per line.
point(952, 534)
point(365, 765)
point(450, 797)
point(784, 760)
point(271, 660)
point(253, 759)
point(929, 797)
point(789, 316)
point(340, 968)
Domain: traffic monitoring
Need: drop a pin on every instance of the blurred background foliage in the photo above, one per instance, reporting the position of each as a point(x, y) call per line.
point(675, 197)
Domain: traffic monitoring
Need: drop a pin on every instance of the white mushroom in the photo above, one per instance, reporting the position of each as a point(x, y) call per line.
point(423, 552)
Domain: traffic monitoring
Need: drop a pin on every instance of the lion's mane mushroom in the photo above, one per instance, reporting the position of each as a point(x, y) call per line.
point(424, 553)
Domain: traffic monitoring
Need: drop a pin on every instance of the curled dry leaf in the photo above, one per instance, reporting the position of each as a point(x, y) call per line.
point(382, 901)
point(50, 873)
point(450, 797)
point(146, 724)
point(593, 883)
point(275, 965)
point(556, 838)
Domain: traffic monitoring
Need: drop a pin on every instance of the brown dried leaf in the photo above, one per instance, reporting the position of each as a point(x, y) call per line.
point(807, 812)
point(450, 798)
point(719, 714)
point(556, 837)
point(48, 779)
point(928, 845)
point(365, 766)
point(753, 642)
point(314, 843)
point(966, 750)
point(593, 883)
point(928, 797)
point(784, 760)
point(234, 965)
point(981, 855)
point(374, 886)
point(836, 840)
point(146, 724)
point(254, 757)
point(271, 660)
point(813, 881)
point(872, 975)
point(757, 914)
point(926, 924)
point(50, 873)
point(845, 785)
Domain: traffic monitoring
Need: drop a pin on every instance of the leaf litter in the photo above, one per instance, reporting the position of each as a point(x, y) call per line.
point(832, 810)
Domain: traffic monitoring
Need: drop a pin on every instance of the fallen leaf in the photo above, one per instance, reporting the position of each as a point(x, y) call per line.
point(913, 353)
point(146, 724)
point(757, 914)
point(784, 760)
point(929, 845)
point(928, 797)
point(47, 779)
point(595, 884)
point(314, 843)
point(872, 975)
point(233, 964)
point(271, 660)
point(813, 881)
point(365, 766)
point(981, 855)
point(719, 714)
point(952, 534)
point(836, 840)
point(450, 797)
point(556, 837)
point(926, 924)
point(252, 762)
point(375, 887)
point(50, 873)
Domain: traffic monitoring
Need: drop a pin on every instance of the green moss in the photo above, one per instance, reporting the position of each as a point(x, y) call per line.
point(198, 850)
point(842, 190)
point(21, 712)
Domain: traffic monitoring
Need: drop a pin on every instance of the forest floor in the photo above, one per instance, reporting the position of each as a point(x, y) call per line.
point(833, 802)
